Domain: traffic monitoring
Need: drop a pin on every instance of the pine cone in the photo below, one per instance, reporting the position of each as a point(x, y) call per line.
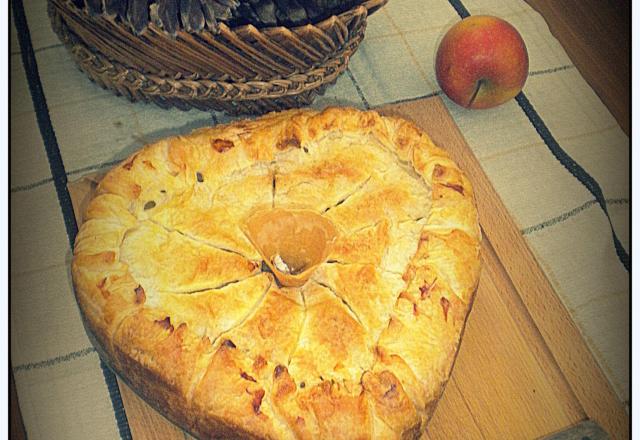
point(94, 6)
point(191, 15)
point(265, 11)
point(115, 8)
point(170, 15)
point(195, 15)
point(290, 13)
point(137, 14)
point(262, 13)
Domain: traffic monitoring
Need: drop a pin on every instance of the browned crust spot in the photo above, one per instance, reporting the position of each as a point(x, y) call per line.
point(140, 295)
point(228, 343)
point(258, 395)
point(129, 164)
point(222, 145)
point(259, 363)
point(455, 187)
point(136, 190)
point(444, 302)
point(246, 376)
point(405, 295)
point(290, 142)
point(165, 323)
point(279, 370)
point(391, 393)
point(425, 290)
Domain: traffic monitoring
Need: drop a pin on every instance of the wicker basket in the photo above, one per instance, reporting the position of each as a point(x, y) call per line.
point(242, 70)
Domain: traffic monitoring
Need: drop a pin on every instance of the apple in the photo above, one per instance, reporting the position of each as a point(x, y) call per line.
point(482, 62)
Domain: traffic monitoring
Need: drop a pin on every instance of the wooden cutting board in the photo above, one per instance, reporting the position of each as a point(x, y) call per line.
point(523, 370)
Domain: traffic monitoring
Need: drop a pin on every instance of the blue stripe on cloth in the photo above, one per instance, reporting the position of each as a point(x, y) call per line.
point(567, 215)
point(59, 178)
point(55, 361)
point(94, 167)
point(365, 103)
point(460, 8)
point(562, 156)
point(404, 100)
point(552, 70)
point(32, 185)
point(41, 49)
point(574, 168)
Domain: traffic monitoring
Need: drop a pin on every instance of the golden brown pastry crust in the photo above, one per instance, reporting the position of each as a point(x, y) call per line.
point(172, 291)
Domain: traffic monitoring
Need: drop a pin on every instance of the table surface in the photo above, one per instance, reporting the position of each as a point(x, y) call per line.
point(598, 44)
point(594, 42)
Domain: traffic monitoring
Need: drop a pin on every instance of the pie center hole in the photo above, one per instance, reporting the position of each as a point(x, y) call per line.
point(292, 242)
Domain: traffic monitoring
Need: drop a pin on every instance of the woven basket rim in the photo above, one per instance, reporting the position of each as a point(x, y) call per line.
point(285, 84)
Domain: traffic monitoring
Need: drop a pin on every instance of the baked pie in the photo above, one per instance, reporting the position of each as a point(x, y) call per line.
point(303, 275)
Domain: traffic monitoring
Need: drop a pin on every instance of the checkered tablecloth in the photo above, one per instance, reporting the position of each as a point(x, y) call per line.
point(62, 389)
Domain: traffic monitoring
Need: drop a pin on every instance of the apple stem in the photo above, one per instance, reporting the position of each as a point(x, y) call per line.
point(479, 84)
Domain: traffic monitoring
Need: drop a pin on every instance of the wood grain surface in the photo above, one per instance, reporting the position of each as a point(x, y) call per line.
point(144, 421)
point(523, 370)
point(16, 427)
point(587, 430)
point(597, 37)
